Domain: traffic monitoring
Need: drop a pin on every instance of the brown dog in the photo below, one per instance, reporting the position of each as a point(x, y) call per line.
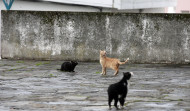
point(112, 63)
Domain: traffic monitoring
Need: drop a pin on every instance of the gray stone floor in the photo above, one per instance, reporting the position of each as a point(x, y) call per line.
point(38, 86)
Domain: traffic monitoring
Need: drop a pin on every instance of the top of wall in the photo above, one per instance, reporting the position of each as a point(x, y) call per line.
point(97, 3)
point(119, 4)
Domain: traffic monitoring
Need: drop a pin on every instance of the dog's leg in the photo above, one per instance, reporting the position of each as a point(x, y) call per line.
point(116, 71)
point(121, 100)
point(115, 104)
point(103, 70)
point(116, 68)
point(109, 101)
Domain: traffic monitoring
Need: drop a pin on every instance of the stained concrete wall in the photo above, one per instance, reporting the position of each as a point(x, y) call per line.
point(144, 38)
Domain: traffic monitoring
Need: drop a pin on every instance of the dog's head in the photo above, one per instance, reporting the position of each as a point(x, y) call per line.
point(127, 75)
point(102, 53)
point(74, 63)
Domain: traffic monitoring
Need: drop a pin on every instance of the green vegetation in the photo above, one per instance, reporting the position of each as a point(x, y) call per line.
point(51, 75)
point(180, 99)
point(42, 63)
point(17, 68)
point(98, 72)
point(20, 62)
point(12, 69)
point(39, 63)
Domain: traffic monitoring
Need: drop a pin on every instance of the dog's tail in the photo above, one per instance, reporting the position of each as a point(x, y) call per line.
point(123, 62)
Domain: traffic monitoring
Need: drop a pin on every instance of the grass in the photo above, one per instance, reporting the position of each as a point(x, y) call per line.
point(51, 75)
point(13, 69)
point(20, 62)
point(174, 99)
point(166, 96)
point(39, 63)
point(42, 63)
point(180, 99)
point(98, 72)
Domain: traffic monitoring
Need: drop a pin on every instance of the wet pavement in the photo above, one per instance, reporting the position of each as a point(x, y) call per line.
point(39, 86)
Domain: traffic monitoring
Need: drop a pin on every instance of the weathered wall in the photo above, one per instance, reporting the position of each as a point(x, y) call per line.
point(144, 38)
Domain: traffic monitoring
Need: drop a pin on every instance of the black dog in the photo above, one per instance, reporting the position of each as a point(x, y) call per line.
point(69, 66)
point(118, 91)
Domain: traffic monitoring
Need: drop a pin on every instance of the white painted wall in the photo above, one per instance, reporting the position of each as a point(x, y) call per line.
point(148, 10)
point(96, 3)
point(152, 10)
point(140, 4)
point(170, 10)
point(47, 6)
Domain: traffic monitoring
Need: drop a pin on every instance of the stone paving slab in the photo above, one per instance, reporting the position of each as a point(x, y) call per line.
point(39, 86)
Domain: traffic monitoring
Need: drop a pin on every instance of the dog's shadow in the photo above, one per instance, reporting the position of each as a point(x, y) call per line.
point(120, 109)
point(67, 73)
point(71, 73)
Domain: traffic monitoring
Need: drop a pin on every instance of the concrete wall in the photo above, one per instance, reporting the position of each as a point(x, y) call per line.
point(144, 38)
point(46, 6)
point(68, 5)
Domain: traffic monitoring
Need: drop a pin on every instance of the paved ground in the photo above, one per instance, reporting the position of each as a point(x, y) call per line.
point(38, 86)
